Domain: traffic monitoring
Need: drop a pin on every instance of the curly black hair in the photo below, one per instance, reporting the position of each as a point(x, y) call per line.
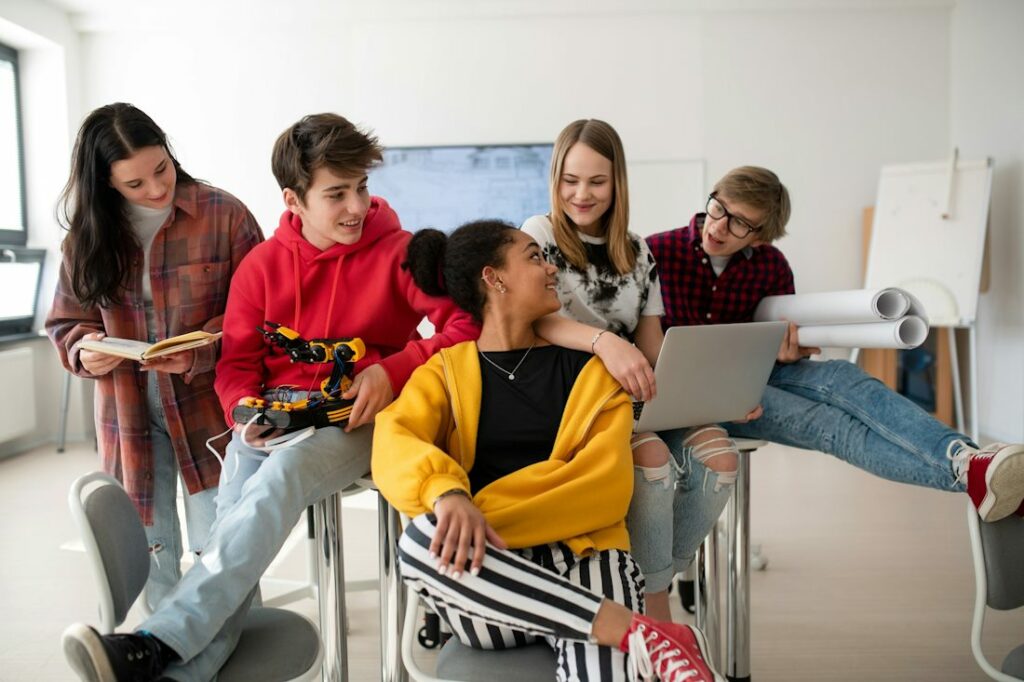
point(452, 264)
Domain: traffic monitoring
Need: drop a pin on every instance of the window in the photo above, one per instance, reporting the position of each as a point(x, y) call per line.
point(20, 275)
point(12, 165)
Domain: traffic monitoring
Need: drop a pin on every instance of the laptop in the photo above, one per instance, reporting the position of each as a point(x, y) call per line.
point(711, 373)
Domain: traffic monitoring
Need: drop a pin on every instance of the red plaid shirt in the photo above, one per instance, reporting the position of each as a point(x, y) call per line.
point(192, 259)
point(693, 294)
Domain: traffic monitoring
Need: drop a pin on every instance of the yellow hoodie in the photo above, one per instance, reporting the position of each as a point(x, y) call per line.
point(425, 443)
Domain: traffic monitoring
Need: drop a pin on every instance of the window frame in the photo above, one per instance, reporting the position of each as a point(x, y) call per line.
point(17, 237)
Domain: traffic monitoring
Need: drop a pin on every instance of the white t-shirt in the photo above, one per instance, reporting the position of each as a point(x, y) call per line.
point(599, 296)
point(146, 222)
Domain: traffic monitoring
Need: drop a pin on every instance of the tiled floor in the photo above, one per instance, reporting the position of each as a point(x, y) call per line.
point(867, 580)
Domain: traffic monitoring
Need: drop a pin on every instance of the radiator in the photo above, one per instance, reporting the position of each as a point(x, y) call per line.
point(17, 373)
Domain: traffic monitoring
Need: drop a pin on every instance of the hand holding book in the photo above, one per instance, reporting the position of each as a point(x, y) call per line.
point(100, 353)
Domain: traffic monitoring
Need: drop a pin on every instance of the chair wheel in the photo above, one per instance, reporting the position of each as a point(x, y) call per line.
point(423, 636)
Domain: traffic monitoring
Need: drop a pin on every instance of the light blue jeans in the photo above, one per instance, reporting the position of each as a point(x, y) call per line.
point(202, 619)
point(832, 407)
point(164, 535)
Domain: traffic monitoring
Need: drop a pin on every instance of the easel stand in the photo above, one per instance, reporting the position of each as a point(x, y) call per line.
point(958, 394)
point(882, 363)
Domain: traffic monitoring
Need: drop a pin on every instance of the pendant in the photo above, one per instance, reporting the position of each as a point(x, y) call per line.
point(511, 377)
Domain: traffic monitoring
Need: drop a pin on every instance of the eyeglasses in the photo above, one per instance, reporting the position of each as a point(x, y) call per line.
point(738, 227)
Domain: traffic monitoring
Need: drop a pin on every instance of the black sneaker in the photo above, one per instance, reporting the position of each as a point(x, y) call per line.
point(112, 658)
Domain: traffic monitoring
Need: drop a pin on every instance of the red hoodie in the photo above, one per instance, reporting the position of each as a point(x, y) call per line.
point(348, 290)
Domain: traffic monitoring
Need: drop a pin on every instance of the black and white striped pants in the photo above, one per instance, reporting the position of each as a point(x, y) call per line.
point(520, 596)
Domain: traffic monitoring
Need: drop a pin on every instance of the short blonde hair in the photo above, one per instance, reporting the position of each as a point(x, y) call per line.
point(761, 189)
point(603, 139)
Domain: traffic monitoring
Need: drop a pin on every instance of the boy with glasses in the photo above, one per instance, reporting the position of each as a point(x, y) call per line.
point(717, 270)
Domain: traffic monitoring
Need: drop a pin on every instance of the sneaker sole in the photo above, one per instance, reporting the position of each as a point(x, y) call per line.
point(84, 651)
point(702, 644)
point(1004, 480)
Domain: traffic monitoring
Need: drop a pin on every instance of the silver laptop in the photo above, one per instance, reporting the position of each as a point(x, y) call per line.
point(711, 373)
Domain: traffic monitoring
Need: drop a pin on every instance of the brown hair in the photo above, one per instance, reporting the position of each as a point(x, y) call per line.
point(761, 189)
point(603, 139)
point(318, 141)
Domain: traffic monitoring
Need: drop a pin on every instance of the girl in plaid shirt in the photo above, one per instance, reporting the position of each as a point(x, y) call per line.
point(148, 255)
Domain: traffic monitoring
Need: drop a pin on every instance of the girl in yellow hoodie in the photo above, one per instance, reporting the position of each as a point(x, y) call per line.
point(512, 458)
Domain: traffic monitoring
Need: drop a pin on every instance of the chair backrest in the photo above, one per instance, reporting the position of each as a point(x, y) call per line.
point(115, 542)
point(1002, 544)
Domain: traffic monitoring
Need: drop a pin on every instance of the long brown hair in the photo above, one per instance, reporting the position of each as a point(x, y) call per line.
point(603, 139)
point(100, 245)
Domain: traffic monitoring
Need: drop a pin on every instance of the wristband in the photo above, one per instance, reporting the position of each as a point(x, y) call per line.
point(449, 493)
point(593, 341)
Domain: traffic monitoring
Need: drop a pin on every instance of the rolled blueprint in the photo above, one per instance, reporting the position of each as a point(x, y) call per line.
point(836, 307)
point(859, 318)
point(907, 332)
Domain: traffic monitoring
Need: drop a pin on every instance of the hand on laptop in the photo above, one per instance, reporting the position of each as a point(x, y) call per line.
point(791, 350)
point(751, 416)
point(627, 364)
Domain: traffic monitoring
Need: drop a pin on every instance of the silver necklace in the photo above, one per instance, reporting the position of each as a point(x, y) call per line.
point(512, 374)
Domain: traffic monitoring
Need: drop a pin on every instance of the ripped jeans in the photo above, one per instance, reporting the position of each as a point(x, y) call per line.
point(164, 535)
point(669, 517)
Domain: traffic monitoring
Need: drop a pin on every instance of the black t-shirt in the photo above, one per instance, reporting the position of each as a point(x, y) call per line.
point(519, 418)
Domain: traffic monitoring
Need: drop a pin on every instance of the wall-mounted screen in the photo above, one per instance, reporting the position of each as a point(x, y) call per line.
point(444, 187)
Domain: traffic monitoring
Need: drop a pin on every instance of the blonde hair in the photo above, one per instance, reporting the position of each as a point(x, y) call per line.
point(760, 189)
point(603, 139)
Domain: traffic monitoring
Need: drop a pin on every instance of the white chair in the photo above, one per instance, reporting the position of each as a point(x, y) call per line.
point(998, 550)
point(276, 645)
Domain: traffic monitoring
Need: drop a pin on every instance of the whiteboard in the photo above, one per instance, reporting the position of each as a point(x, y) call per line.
point(663, 195)
point(913, 247)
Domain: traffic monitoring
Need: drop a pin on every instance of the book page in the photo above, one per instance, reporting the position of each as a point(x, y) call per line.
point(181, 342)
point(111, 345)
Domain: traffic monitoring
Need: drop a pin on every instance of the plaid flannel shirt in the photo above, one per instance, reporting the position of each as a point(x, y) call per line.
point(693, 294)
point(192, 259)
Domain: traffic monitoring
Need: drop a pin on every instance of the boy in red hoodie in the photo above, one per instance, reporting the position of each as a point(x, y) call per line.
point(331, 270)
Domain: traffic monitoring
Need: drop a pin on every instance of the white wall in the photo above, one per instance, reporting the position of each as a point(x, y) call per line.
point(824, 96)
point(47, 47)
point(823, 92)
point(987, 119)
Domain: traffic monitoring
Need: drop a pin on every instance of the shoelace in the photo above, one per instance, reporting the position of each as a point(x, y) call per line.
point(644, 662)
point(965, 452)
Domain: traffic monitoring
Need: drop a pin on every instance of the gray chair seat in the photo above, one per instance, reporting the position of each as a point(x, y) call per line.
point(276, 645)
point(1014, 663)
point(535, 662)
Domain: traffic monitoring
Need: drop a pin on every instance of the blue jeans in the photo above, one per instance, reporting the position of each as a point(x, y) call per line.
point(164, 535)
point(202, 619)
point(832, 407)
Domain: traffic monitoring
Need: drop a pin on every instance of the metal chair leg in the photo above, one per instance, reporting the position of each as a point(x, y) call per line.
point(392, 594)
point(331, 579)
point(706, 593)
point(737, 601)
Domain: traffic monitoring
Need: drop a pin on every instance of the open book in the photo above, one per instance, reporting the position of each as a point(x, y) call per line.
point(142, 350)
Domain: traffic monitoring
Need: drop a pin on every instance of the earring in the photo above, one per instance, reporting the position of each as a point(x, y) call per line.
point(501, 288)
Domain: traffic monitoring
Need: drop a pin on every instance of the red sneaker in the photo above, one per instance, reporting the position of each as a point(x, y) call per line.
point(669, 652)
point(995, 479)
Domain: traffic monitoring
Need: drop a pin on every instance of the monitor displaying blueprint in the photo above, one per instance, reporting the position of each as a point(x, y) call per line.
point(444, 187)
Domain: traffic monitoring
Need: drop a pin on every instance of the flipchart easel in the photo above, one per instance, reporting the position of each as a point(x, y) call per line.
point(928, 236)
